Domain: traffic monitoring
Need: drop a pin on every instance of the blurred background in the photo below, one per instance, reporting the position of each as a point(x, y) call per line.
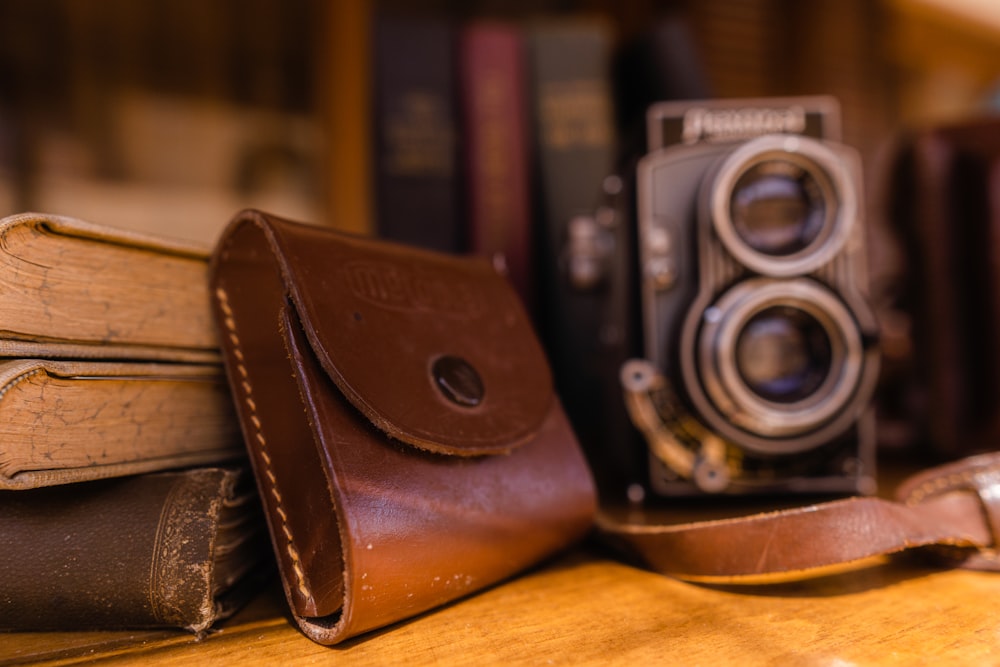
point(170, 115)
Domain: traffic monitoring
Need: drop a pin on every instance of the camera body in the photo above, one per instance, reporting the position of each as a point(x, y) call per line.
point(760, 346)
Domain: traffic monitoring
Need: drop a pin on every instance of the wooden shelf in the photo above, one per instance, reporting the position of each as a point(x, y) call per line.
point(586, 608)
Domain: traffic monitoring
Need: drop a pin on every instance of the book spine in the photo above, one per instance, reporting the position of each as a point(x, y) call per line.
point(964, 318)
point(496, 148)
point(71, 421)
point(661, 63)
point(129, 552)
point(935, 250)
point(415, 142)
point(585, 241)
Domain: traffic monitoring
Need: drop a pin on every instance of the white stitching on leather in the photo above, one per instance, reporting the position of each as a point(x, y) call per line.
point(293, 553)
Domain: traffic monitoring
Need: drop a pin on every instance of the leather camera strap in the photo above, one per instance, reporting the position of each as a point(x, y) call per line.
point(956, 506)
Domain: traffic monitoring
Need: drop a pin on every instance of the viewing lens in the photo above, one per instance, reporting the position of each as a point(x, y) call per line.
point(778, 208)
point(783, 354)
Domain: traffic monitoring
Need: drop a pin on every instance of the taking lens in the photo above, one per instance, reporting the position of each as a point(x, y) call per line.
point(777, 207)
point(783, 354)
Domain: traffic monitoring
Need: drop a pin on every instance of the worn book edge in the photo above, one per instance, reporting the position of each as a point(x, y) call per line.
point(52, 432)
point(70, 281)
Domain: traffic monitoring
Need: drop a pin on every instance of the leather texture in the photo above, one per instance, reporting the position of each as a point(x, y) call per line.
point(954, 508)
point(384, 497)
point(164, 549)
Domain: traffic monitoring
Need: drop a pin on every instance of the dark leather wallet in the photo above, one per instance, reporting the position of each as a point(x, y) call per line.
point(400, 416)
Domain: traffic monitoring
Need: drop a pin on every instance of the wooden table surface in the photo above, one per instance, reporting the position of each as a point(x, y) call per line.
point(585, 607)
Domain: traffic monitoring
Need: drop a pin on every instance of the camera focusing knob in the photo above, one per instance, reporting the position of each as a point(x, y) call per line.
point(660, 268)
point(588, 250)
point(661, 272)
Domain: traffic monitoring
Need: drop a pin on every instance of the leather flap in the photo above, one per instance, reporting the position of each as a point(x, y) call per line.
point(436, 351)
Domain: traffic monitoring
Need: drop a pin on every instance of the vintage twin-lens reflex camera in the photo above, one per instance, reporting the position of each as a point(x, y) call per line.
point(760, 347)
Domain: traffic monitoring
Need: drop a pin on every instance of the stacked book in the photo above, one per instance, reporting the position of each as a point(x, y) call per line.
point(125, 500)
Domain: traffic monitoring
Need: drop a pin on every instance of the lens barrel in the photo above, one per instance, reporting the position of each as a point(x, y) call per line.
point(782, 205)
point(779, 366)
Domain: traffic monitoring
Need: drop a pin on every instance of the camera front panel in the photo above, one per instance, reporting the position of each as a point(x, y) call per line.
point(754, 311)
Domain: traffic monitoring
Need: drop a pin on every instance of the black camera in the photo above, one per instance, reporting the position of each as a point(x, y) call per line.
point(760, 346)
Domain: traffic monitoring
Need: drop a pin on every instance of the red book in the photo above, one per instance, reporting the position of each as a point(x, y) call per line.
point(491, 85)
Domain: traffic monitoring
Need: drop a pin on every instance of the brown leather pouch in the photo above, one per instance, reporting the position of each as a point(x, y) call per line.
point(400, 416)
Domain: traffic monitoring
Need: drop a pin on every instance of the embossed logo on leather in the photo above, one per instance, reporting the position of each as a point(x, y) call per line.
point(404, 288)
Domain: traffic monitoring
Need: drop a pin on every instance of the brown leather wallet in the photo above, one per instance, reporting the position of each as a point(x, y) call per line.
point(400, 416)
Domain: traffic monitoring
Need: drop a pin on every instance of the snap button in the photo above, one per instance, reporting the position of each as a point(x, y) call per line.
point(458, 381)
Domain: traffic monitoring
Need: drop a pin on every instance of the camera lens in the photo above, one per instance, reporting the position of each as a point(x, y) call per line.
point(778, 364)
point(781, 205)
point(783, 354)
point(778, 208)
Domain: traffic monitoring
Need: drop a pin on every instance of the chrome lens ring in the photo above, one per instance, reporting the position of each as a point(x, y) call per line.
point(816, 176)
point(725, 381)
